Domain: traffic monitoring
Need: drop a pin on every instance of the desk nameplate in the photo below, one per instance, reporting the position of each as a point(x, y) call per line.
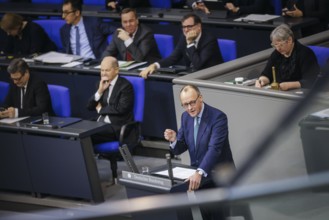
point(147, 179)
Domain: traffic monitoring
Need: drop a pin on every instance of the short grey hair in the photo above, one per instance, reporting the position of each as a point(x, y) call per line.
point(282, 33)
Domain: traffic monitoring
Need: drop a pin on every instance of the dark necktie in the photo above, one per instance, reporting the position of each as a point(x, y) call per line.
point(22, 96)
point(196, 128)
point(77, 40)
point(105, 101)
point(129, 57)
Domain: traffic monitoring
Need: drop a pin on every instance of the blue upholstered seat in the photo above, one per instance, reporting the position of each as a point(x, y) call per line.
point(94, 2)
point(228, 49)
point(48, 1)
point(277, 5)
point(60, 100)
point(322, 54)
point(165, 44)
point(160, 4)
point(52, 28)
point(4, 88)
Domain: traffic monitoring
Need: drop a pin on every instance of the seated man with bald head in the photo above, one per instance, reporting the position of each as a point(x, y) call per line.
point(113, 101)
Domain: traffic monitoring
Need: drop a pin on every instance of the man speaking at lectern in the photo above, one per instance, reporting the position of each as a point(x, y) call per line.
point(203, 132)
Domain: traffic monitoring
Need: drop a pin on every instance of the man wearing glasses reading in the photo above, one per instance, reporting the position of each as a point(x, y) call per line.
point(83, 36)
point(28, 95)
point(196, 49)
point(204, 133)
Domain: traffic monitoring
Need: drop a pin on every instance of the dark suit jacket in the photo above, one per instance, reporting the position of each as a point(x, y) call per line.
point(97, 33)
point(34, 40)
point(206, 54)
point(120, 107)
point(212, 141)
point(36, 99)
point(143, 48)
point(130, 3)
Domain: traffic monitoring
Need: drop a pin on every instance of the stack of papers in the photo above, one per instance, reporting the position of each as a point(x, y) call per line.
point(126, 65)
point(324, 114)
point(56, 57)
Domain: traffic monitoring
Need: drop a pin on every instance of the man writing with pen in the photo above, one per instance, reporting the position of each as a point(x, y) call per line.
point(27, 96)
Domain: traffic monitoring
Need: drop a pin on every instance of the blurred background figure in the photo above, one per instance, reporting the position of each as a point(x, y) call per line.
point(24, 36)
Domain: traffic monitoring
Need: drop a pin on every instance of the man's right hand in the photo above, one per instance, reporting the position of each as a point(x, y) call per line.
point(147, 71)
point(202, 7)
point(103, 85)
point(170, 135)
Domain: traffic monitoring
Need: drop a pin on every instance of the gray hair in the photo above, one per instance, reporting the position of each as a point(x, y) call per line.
point(282, 33)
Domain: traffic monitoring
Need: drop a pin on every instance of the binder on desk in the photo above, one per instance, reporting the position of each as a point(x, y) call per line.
point(54, 122)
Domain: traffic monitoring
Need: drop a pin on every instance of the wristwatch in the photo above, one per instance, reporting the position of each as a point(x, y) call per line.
point(200, 172)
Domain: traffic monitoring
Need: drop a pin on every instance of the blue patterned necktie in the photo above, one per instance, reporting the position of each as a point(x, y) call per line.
point(196, 128)
point(77, 40)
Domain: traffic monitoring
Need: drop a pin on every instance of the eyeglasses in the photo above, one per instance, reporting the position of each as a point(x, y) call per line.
point(17, 79)
point(66, 13)
point(188, 27)
point(191, 103)
point(279, 44)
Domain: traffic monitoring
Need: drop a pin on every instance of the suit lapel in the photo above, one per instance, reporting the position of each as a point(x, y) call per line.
point(115, 91)
point(88, 32)
point(203, 124)
point(190, 124)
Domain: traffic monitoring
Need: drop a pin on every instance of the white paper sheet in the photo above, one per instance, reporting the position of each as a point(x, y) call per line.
point(178, 172)
point(12, 120)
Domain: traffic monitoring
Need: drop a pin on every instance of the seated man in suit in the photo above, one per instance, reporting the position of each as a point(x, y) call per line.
point(134, 41)
point(28, 95)
point(84, 36)
point(196, 49)
point(114, 102)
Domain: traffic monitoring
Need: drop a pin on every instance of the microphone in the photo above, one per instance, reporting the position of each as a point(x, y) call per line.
point(170, 173)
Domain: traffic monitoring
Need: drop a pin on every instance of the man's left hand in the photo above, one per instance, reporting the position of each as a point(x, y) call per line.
point(195, 181)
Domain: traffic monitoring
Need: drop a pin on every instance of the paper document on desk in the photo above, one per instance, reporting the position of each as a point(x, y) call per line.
point(129, 66)
point(178, 172)
point(324, 114)
point(257, 18)
point(56, 57)
point(12, 120)
point(126, 65)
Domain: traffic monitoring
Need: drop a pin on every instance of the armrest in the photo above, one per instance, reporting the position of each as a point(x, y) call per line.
point(130, 134)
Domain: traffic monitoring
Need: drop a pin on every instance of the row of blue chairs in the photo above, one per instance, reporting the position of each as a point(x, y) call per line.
point(165, 42)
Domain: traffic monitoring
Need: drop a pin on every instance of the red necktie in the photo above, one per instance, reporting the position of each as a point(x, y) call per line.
point(129, 57)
